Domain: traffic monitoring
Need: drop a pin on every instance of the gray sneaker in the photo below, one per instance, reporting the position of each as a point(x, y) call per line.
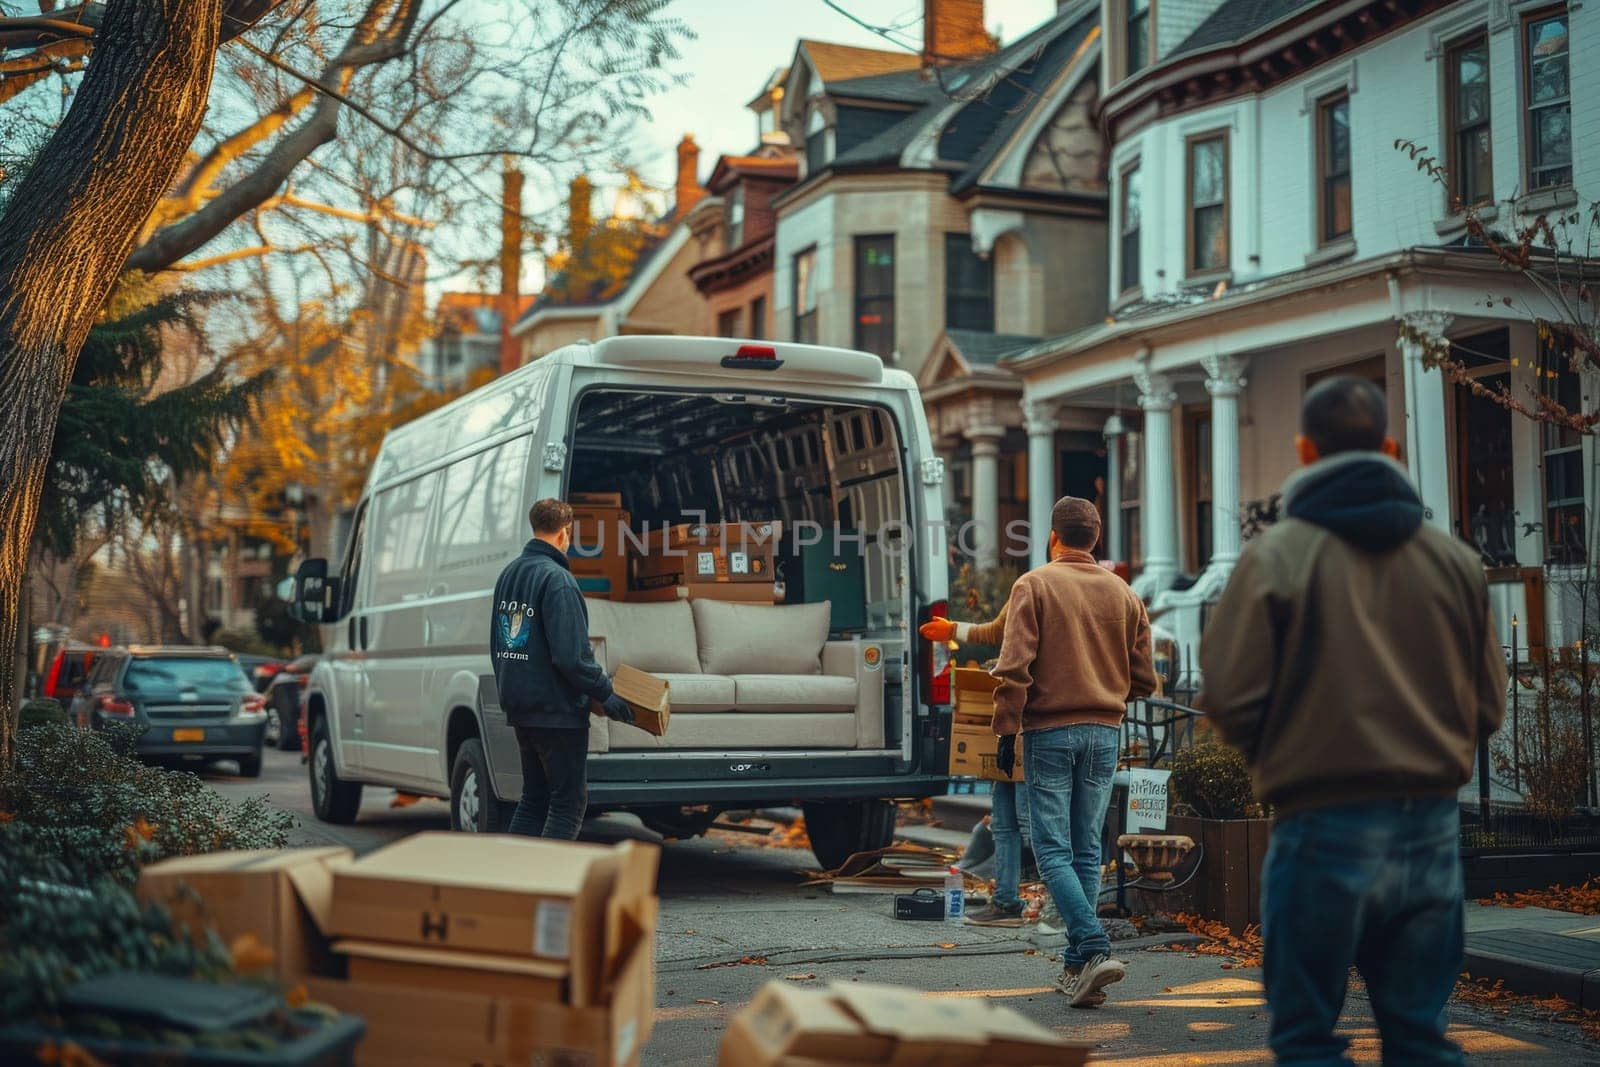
point(993, 914)
point(1085, 985)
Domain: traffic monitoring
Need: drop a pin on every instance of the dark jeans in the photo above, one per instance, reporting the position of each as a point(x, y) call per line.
point(555, 786)
point(1377, 886)
point(1008, 822)
point(1069, 771)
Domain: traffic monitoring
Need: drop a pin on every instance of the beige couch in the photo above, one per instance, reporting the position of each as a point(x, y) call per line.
point(743, 676)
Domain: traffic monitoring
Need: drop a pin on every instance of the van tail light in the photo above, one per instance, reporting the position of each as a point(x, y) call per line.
point(110, 705)
point(253, 704)
point(54, 678)
point(934, 660)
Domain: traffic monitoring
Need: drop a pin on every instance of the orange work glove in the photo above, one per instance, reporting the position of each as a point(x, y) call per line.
point(938, 629)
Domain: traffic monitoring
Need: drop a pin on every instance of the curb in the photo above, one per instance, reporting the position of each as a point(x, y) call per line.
point(1537, 962)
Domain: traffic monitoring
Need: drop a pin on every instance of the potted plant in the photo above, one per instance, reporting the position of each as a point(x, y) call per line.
point(1216, 807)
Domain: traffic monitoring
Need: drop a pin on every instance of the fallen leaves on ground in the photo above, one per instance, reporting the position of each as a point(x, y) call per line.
point(1583, 899)
point(946, 944)
point(404, 800)
point(792, 836)
point(742, 961)
point(706, 1000)
point(800, 977)
point(1495, 997)
point(1242, 950)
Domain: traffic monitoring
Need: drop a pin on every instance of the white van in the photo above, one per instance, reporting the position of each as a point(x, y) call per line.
point(674, 430)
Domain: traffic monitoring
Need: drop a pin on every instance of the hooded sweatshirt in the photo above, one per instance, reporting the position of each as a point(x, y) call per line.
point(1353, 656)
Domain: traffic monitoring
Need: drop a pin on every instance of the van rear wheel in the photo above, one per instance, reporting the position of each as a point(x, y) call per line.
point(473, 805)
point(840, 829)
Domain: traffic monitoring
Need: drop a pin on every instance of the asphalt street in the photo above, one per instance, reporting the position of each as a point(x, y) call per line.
point(737, 913)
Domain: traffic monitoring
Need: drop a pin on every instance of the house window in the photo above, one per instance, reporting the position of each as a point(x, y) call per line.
point(1131, 483)
point(1471, 158)
point(1138, 37)
point(875, 295)
point(1333, 168)
point(1549, 101)
point(728, 323)
point(805, 296)
point(1208, 203)
point(816, 143)
point(968, 286)
point(736, 217)
point(1128, 224)
point(758, 319)
point(1565, 539)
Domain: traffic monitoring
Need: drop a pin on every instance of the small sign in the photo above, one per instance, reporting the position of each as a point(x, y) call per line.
point(1147, 799)
point(705, 563)
point(738, 563)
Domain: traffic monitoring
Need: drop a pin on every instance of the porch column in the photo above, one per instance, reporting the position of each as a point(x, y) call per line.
point(986, 493)
point(1113, 546)
point(1039, 419)
point(1159, 499)
point(1224, 381)
point(1427, 455)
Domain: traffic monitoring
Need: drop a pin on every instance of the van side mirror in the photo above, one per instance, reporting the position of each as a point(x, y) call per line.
point(315, 596)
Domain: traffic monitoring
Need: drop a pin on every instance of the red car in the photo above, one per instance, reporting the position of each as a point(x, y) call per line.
point(68, 671)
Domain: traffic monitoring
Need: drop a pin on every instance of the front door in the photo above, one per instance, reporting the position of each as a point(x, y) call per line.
point(1485, 494)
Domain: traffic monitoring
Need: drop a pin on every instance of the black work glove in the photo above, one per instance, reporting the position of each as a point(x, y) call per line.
point(1005, 756)
point(617, 708)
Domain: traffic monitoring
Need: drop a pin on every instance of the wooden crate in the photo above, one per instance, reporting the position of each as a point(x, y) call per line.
point(1227, 888)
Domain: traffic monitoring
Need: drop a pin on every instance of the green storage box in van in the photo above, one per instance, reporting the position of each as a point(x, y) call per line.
point(814, 573)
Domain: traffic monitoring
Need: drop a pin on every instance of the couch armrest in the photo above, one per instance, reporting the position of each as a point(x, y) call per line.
point(848, 659)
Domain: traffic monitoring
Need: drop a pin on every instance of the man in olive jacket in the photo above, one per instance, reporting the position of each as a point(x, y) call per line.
point(1354, 662)
point(548, 677)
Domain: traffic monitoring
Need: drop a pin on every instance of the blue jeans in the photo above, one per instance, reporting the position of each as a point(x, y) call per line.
point(1069, 771)
point(1008, 821)
point(1378, 886)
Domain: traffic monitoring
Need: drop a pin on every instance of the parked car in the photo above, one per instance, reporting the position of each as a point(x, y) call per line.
point(283, 703)
point(196, 703)
point(68, 670)
point(260, 669)
point(404, 695)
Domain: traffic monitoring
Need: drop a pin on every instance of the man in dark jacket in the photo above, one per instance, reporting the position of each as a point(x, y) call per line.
point(1354, 661)
point(547, 676)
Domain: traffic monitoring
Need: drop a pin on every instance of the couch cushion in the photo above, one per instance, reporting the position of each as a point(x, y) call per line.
point(760, 638)
point(793, 692)
point(699, 692)
point(658, 638)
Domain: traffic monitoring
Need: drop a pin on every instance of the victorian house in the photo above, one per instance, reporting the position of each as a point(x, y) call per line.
point(951, 209)
point(1268, 233)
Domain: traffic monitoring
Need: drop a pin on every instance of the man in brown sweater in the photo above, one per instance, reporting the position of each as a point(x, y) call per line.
point(1354, 662)
point(1076, 650)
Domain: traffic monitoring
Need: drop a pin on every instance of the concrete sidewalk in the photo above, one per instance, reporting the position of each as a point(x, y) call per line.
point(1536, 950)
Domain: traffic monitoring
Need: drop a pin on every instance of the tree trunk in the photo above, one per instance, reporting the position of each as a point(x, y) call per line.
point(64, 238)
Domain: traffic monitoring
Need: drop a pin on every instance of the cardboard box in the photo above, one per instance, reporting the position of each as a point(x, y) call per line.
point(709, 552)
point(859, 1023)
point(737, 592)
point(973, 749)
point(283, 897)
point(649, 697)
point(581, 905)
point(972, 692)
point(604, 500)
point(512, 977)
point(599, 554)
point(441, 1026)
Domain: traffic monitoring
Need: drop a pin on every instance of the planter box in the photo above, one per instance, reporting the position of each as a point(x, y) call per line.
point(1227, 887)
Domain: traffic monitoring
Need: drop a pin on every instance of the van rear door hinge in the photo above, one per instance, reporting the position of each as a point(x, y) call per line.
point(555, 457)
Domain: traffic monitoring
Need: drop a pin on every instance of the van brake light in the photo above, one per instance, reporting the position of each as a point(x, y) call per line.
point(753, 357)
point(110, 705)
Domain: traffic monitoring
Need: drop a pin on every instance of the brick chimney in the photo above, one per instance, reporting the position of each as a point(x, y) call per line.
point(952, 30)
point(688, 190)
point(580, 212)
point(510, 265)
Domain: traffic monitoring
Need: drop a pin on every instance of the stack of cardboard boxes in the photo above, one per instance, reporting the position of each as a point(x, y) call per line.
point(718, 561)
point(852, 1024)
point(973, 744)
point(599, 552)
point(455, 948)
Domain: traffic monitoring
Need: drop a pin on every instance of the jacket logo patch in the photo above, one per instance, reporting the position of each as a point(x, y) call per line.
point(514, 630)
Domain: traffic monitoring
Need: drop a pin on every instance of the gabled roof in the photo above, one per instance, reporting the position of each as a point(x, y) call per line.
point(971, 109)
point(988, 349)
point(1235, 20)
point(841, 62)
point(784, 168)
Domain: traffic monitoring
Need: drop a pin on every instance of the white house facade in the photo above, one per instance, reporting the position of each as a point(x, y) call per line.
point(1266, 232)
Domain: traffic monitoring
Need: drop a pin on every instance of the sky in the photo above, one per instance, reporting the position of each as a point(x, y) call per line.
point(741, 42)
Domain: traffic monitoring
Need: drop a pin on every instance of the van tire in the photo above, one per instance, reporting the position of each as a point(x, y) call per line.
point(332, 798)
point(472, 789)
point(250, 766)
point(840, 829)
